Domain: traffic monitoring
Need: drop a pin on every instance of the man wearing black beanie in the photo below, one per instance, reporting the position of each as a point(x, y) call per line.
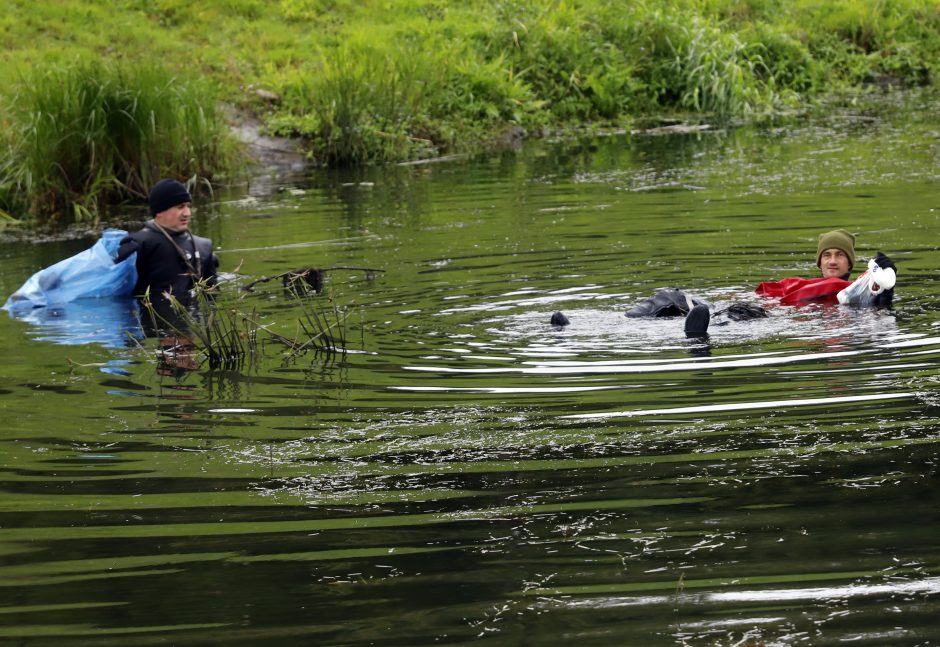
point(170, 259)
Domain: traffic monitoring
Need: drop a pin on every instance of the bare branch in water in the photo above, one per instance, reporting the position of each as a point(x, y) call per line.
point(312, 275)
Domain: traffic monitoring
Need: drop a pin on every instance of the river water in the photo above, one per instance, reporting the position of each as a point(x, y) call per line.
point(468, 473)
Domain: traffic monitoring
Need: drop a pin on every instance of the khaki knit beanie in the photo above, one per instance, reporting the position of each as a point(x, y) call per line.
point(836, 239)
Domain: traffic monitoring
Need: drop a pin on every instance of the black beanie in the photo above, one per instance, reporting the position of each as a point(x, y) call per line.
point(166, 194)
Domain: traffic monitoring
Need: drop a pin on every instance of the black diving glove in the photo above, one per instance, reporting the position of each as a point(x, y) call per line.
point(884, 262)
point(886, 298)
point(127, 247)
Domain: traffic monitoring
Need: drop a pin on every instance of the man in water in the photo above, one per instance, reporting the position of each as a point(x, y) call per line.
point(835, 257)
point(171, 261)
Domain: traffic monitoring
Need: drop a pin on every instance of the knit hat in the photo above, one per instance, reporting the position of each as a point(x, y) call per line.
point(836, 239)
point(166, 194)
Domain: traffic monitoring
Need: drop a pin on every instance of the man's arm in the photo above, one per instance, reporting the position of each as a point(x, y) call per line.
point(126, 247)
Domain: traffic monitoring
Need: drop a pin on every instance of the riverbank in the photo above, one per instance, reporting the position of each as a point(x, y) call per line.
point(374, 83)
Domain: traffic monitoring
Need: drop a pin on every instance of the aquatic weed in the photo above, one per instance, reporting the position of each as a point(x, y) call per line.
point(227, 332)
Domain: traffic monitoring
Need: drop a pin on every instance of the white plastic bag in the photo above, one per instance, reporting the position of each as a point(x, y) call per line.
point(866, 287)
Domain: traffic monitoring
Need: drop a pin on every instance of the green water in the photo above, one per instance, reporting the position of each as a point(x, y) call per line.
point(466, 473)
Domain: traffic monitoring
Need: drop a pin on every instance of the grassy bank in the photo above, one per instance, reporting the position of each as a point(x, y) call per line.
point(82, 137)
point(372, 82)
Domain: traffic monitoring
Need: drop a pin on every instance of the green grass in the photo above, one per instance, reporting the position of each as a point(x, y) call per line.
point(82, 137)
point(377, 81)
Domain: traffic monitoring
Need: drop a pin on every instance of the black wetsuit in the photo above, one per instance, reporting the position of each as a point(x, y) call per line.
point(168, 261)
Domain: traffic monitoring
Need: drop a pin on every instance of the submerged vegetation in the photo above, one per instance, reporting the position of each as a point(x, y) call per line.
point(375, 82)
point(224, 331)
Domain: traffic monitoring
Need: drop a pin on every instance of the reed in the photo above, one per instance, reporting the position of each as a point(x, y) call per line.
point(321, 330)
point(92, 135)
point(221, 330)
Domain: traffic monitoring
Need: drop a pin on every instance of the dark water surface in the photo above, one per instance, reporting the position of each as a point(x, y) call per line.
point(467, 473)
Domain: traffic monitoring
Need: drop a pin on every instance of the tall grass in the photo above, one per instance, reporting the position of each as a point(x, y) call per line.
point(625, 60)
point(361, 105)
point(374, 81)
point(83, 137)
point(696, 66)
point(895, 41)
point(446, 79)
point(565, 57)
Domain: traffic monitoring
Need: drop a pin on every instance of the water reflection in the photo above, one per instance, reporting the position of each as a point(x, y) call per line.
point(113, 322)
point(467, 472)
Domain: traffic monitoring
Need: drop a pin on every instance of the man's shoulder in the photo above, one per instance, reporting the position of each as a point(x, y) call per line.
point(201, 242)
point(145, 233)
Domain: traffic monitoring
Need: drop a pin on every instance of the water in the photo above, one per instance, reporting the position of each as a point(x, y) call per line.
point(467, 472)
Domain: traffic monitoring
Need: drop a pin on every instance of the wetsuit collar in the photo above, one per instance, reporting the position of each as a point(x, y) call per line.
point(153, 226)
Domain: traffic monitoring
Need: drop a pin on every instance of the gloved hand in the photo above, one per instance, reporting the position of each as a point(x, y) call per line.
point(128, 247)
point(886, 298)
point(884, 262)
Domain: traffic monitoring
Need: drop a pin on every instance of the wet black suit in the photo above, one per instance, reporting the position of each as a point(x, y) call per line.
point(168, 261)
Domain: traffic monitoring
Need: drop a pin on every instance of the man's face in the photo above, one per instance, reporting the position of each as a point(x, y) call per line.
point(833, 262)
point(175, 218)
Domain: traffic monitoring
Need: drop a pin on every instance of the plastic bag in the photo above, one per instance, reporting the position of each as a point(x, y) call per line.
point(91, 273)
point(868, 285)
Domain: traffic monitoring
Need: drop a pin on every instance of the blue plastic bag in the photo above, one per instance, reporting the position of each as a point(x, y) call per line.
point(88, 274)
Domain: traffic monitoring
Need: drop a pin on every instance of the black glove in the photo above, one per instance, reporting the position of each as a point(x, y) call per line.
point(884, 262)
point(127, 247)
point(886, 298)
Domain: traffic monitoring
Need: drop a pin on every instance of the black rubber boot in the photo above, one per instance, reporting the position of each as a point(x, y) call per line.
point(696, 323)
point(559, 319)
